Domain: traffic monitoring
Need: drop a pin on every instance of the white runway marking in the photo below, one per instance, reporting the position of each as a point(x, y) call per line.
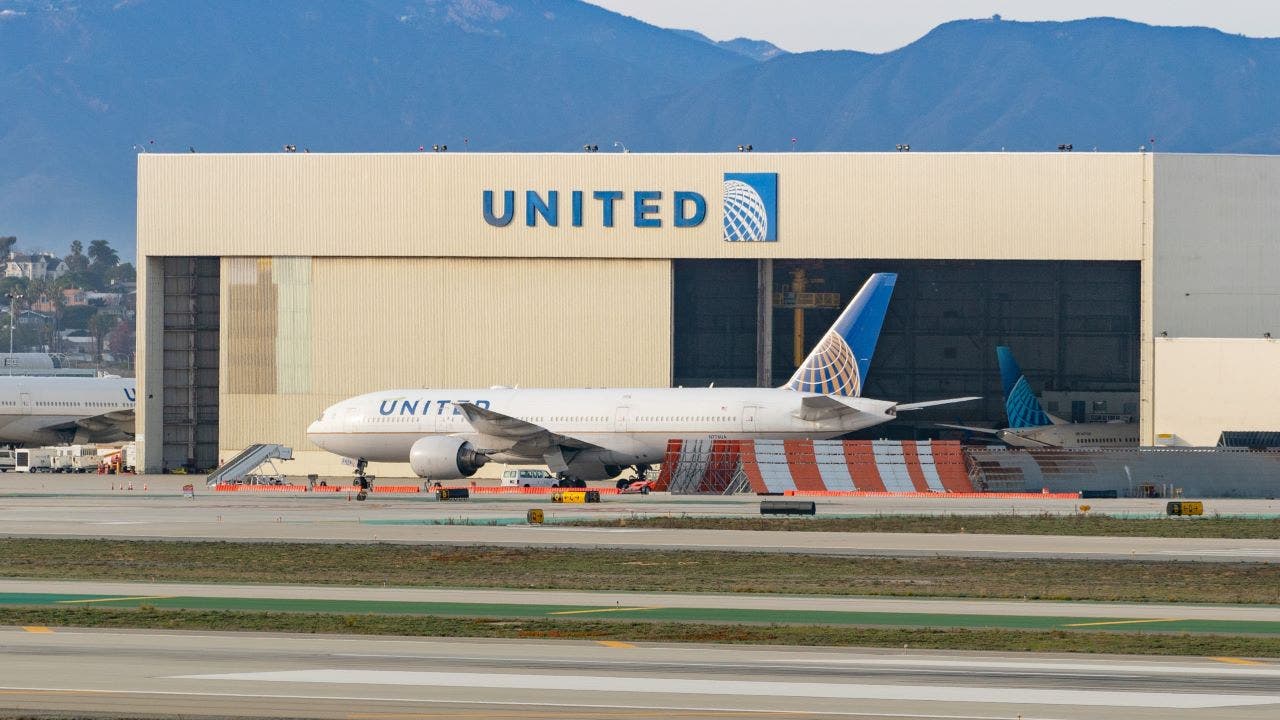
point(507, 703)
point(1226, 552)
point(1083, 669)
point(851, 691)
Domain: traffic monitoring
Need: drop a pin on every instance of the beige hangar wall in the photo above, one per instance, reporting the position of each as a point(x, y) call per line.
point(1047, 206)
point(1215, 304)
point(300, 334)
point(346, 273)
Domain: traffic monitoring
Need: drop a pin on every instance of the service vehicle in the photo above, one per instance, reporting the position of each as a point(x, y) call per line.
point(528, 477)
point(33, 460)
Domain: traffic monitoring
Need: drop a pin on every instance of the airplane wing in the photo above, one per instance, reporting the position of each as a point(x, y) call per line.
point(511, 434)
point(907, 407)
point(823, 407)
point(107, 427)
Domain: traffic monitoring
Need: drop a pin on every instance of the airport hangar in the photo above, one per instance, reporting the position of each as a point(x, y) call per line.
point(273, 285)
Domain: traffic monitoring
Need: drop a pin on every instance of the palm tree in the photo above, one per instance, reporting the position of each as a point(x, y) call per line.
point(102, 256)
point(99, 326)
point(76, 261)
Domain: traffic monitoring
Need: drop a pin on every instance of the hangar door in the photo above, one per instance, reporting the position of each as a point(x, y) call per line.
point(190, 363)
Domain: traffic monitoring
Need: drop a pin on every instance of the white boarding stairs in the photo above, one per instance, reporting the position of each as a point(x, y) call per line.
point(243, 466)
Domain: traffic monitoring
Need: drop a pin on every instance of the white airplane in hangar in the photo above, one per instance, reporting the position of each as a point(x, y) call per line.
point(1031, 427)
point(593, 434)
point(60, 410)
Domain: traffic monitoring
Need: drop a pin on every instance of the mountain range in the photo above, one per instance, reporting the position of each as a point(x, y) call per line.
point(87, 85)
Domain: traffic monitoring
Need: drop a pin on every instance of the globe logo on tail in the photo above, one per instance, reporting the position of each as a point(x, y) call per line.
point(750, 207)
point(830, 370)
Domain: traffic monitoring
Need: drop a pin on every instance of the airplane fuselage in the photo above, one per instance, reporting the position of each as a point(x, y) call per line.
point(1073, 435)
point(53, 410)
point(632, 426)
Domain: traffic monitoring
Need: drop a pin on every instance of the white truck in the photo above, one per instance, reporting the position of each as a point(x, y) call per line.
point(75, 459)
point(527, 477)
point(34, 460)
point(6, 459)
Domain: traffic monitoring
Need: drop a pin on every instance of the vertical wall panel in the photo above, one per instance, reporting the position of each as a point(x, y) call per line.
point(379, 323)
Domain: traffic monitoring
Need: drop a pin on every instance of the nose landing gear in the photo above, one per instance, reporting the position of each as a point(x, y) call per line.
point(362, 481)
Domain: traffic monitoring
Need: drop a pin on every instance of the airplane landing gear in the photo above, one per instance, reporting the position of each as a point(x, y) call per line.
point(362, 481)
point(641, 470)
point(567, 481)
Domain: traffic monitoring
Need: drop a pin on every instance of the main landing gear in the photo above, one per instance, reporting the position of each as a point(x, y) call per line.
point(567, 481)
point(362, 481)
point(641, 470)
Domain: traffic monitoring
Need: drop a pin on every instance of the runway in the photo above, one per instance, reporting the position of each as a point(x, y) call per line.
point(233, 674)
point(43, 509)
point(678, 607)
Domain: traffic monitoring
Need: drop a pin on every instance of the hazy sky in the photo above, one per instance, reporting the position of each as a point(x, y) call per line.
point(799, 25)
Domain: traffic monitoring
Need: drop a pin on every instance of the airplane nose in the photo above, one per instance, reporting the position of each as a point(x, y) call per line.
point(313, 430)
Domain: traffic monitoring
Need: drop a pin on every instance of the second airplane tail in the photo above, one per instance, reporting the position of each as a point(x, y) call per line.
point(839, 363)
point(1020, 403)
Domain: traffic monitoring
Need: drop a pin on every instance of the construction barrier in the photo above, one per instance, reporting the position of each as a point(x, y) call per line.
point(960, 496)
point(234, 487)
point(513, 490)
point(397, 489)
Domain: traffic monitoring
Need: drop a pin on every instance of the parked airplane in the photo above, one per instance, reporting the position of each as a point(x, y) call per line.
point(593, 434)
point(59, 410)
point(1031, 427)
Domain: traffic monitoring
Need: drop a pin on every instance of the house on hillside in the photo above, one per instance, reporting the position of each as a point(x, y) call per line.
point(35, 266)
point(71, 297)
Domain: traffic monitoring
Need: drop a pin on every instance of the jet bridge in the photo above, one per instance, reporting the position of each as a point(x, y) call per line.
point(244, 467)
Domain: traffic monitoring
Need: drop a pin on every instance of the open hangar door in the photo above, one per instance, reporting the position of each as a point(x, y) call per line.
point(1072, 325)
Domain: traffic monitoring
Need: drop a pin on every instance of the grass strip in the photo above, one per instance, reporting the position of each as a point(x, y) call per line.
point(667, 632)
point(640, 570)
point(1079, 524)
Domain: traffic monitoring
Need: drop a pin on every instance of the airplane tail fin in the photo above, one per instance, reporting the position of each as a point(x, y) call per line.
point(839, 363)
point(1020, 403)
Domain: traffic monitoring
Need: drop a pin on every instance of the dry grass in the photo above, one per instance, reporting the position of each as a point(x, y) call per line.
point(807, 635)
point(618, 570)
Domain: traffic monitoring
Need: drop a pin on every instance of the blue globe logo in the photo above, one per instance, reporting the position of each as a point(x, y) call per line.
point(745, 217)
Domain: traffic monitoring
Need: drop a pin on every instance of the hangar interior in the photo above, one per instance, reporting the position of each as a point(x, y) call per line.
point(1073, 326)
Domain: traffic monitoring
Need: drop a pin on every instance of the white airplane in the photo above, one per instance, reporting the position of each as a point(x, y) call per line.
point(60, 410)
point(1031, 427)
point(593, 434)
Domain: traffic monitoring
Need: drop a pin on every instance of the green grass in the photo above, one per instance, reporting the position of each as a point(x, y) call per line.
point(1042, 524)
point(632, 631)
point(628, 570)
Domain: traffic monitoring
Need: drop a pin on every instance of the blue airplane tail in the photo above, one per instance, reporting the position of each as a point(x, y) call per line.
point(1020, 403)
point(840, 362)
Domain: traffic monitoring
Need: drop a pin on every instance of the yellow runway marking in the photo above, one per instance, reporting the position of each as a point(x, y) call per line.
point(1122, 622)
point(615, 644)
point(115, 599)
point(1238, 661)
point(36, 629)
point(600, 610)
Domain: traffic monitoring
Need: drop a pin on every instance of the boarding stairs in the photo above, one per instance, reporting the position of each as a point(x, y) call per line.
point(243, 467)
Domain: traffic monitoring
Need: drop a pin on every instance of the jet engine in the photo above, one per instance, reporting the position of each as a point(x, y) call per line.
point(445, 458)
